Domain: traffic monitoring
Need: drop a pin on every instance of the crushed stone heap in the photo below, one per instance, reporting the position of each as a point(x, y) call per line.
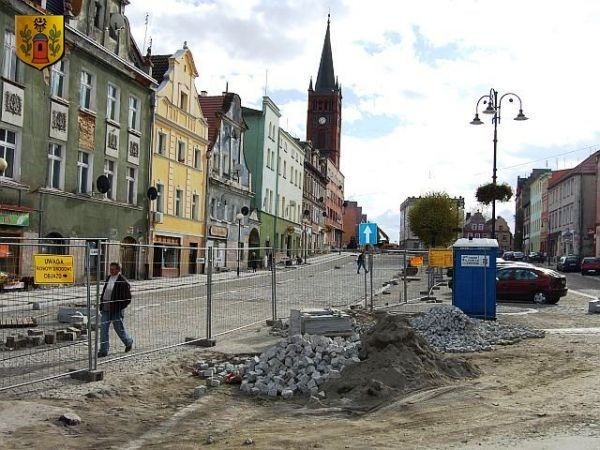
point(299, 364)
point(447, 329)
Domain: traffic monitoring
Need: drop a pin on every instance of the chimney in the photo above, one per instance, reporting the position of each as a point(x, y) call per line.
point(203, 93)
point(468, 216)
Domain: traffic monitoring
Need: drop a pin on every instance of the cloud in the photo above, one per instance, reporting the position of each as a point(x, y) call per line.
point(411, 74)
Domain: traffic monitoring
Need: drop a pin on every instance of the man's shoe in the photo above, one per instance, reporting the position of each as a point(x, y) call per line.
point(128, 348)
point(102, 355)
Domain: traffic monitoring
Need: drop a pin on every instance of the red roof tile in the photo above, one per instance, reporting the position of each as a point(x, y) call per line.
point(211, 107)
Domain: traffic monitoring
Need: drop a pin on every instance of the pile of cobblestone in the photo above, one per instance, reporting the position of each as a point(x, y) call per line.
point(447, 329)
point(299, 365)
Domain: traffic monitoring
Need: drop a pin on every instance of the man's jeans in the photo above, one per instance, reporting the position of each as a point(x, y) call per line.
point(116, 318)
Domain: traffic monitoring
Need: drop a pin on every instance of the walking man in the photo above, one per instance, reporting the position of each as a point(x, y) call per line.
point(360, 262)
point(253, 261)
point(116, 296)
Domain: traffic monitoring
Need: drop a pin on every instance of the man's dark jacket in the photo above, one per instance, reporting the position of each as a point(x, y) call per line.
point(121, 294)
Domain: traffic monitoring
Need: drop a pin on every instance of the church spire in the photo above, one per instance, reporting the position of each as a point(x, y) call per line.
point(326, 77)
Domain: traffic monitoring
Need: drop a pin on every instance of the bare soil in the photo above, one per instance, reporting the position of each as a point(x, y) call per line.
point(539, 393)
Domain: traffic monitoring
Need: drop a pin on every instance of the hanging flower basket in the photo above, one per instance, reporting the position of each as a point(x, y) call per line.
point(486, 194)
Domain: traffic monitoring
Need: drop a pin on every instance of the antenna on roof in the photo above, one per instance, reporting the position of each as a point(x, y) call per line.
point(146, 25)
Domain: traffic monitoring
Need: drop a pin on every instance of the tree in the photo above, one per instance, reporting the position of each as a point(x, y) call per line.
point(434, 218)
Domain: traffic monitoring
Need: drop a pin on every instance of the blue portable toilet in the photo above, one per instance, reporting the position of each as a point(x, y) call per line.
point(474, 277)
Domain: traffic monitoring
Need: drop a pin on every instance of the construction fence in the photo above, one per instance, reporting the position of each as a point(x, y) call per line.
point(51, 314)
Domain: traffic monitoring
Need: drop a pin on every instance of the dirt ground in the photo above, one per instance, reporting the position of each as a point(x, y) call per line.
point(537, 394)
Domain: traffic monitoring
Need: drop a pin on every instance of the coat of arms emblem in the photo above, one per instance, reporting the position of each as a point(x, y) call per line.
point(40, 40)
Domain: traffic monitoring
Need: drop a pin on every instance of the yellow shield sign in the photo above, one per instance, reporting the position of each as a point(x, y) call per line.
point(40, 40)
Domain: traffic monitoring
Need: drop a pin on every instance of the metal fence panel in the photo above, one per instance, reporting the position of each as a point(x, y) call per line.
point(44, 332)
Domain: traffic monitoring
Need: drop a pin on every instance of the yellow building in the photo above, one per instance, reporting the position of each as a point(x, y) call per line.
point(178, 168)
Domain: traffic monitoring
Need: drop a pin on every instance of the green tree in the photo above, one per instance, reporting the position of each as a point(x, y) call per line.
point(434, 218)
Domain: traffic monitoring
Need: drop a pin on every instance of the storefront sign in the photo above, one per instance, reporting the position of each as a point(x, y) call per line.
point(218, 231)
point(53, 269)
point(18, 219)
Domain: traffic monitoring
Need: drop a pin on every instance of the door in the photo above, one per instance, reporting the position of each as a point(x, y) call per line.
point(193, 258)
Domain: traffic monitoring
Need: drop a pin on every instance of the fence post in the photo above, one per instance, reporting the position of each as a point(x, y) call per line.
point(273, 286)
point(404, 273)
point(371, 276)
point(209, 297)
point(91, 374)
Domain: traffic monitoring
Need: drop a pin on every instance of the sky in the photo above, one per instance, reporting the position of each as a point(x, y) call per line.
point(411, 75)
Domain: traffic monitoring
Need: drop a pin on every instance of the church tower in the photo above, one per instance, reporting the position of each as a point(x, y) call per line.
point(324, 118)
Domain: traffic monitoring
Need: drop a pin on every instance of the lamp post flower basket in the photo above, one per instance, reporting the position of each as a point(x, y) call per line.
point(486, 193)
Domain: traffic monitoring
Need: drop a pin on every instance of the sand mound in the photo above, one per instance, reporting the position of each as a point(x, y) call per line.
point(395, 361)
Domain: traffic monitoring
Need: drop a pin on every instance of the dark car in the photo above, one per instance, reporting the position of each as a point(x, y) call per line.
point(590, 265)
point(535, 257)
point(568, 264)
point(536, 284)
point(508, 256)
point(518, 256)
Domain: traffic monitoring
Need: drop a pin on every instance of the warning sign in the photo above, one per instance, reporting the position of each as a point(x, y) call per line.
point(440, 257)
point(53, 269)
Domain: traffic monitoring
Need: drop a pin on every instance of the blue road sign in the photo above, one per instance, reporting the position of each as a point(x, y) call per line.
point(367, 233)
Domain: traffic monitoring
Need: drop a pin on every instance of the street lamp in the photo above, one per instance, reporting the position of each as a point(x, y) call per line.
point(494, 103)
point(239, 216)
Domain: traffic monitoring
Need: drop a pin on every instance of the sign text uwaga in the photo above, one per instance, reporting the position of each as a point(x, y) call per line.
point(53, 269)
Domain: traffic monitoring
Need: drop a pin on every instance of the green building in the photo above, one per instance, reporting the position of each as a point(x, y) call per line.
point(86, 118)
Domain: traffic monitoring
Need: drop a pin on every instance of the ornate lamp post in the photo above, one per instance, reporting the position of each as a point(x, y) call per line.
point(494, 104)
point(239, 216)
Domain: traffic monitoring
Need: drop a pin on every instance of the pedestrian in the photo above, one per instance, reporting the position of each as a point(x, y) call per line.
point(253, 261)
point(360, 262)
point(116, 296)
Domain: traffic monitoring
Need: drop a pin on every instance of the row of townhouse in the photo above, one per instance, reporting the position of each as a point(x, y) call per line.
point(110, 145)
point(557, 211)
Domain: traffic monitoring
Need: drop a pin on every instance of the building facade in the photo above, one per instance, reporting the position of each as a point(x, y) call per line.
point(314, 194)
point(87, 117)
point(178, 168)
point(230, 222)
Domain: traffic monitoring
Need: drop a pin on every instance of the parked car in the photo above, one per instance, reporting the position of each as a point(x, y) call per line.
point(536, 284)
point(518, 256)
point(508, 256)
point(590, 265)
point(535, 257)
point(568, 264)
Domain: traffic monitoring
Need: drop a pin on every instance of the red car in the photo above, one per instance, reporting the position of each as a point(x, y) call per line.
point(538, 284)
point(590, 265)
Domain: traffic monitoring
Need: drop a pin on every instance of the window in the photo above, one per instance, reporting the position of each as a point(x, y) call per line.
point(110, 170)
point(112, 103)
point(85, 91)
point(160, 197)
point(180, 151)
point(11, 64)
point(183, 100)
point(197, 159)
point(8, 145)
point(474, 226)
point(161, 143)
point(178, 202)
point(84, 170)
point(481, 226)
point(55, 166)
point(134, 113)
point(284, 169)
point(131, 185)
point(58, 79)
point(195, 206)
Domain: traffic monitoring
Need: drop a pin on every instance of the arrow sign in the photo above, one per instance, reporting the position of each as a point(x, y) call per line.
point(367, 233)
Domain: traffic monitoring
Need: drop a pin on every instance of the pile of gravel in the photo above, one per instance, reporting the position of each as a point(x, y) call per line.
point(447, 329)
point(299, 365)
